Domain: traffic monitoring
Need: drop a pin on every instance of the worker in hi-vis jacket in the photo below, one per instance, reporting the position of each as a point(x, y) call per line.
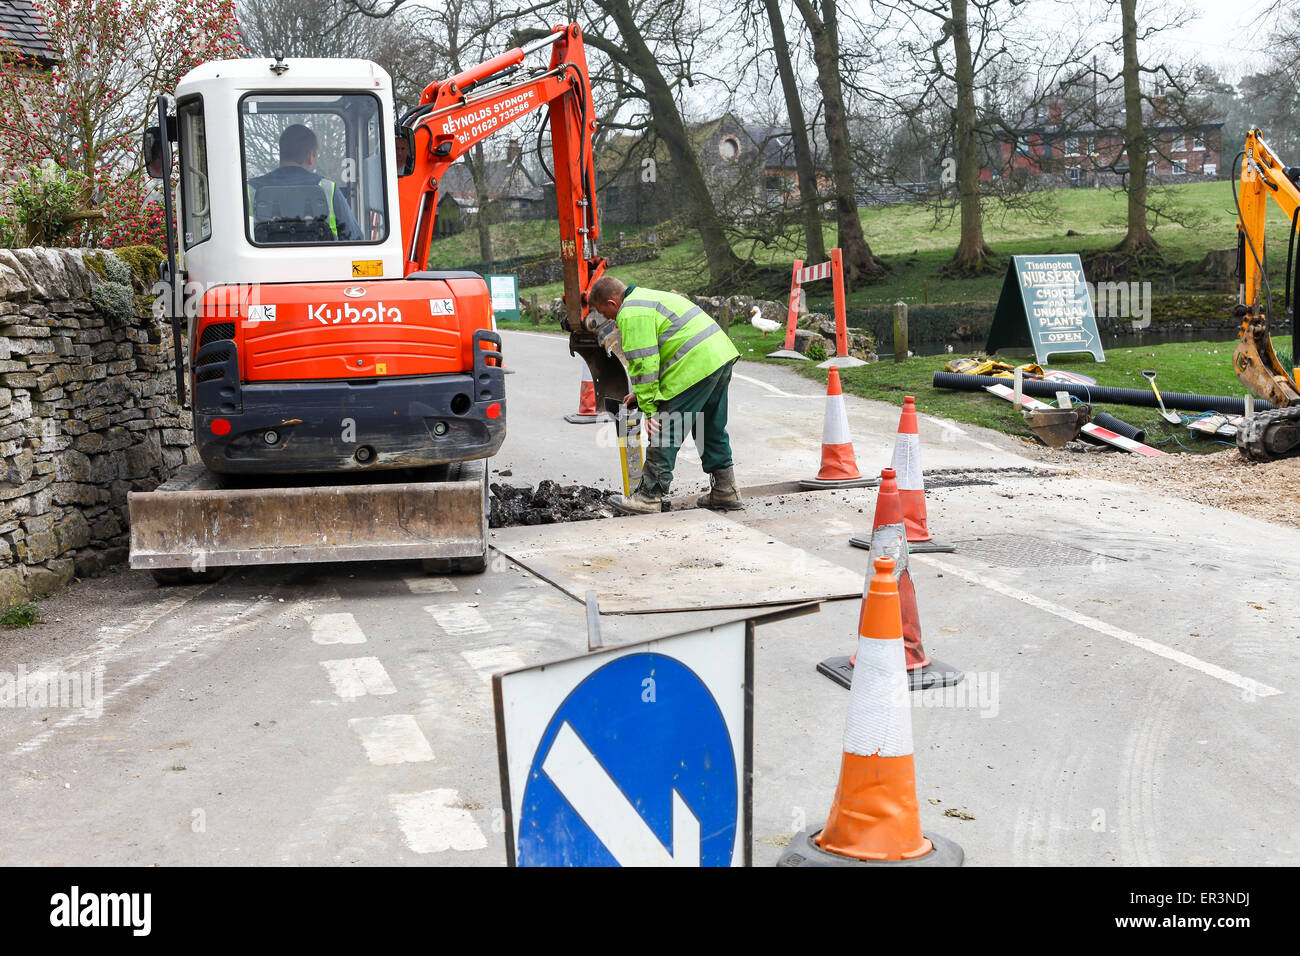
point(679, 361)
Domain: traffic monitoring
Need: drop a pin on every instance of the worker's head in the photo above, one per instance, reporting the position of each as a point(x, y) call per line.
point(299, 147)
point(606, 296)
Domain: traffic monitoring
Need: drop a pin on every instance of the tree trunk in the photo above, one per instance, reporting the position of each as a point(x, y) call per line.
point(666, 120)
point(478, 171)
point(860, 265)
point(973, 256)
point(806, 174)
point(1138, 236)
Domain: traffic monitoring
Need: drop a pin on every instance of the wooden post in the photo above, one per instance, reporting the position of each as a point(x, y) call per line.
point(724, 317)
point(900, 331)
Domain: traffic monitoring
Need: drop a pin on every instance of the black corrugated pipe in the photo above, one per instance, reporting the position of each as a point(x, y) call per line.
point(1102, 394)
point(1118, 426)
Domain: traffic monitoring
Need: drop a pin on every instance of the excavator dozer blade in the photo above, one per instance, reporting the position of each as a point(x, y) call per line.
point(193, 522)
point(1257, 365)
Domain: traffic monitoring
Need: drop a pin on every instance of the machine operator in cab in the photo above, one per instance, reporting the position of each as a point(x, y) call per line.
point(282, 196)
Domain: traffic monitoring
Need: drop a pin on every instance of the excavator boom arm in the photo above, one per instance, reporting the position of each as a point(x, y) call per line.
point(457, 113)
point(1263, 177)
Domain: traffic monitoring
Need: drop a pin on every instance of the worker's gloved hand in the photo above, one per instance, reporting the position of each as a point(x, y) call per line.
point(629, 400)
point(607, 335)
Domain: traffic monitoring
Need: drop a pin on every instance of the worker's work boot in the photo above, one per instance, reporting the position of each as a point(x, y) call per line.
point(640, 502)
point(723, 495)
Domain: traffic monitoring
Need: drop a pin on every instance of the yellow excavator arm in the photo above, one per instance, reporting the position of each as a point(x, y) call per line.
point(1263, 178)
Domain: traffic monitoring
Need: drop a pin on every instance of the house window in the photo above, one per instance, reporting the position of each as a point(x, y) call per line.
point(1210, 169)
point(1072, 146)
point(1076, 176)
point(1198, 141)
point(1180, 167)
point(729, 148)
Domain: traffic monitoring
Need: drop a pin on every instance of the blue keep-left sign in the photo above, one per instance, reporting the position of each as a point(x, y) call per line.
point(631, 757)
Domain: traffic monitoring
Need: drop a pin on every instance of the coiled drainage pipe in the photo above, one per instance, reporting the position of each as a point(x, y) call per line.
point(1119, 427)
point(1103, 394)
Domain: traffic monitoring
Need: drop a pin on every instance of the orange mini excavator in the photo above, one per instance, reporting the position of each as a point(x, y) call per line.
point(344, 397)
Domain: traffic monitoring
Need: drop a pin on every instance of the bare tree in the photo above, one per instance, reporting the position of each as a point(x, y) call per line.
point(809, 197)
point(821, 18)
point(978, 79)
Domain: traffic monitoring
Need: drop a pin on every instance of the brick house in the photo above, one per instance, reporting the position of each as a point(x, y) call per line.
point(1093, 154)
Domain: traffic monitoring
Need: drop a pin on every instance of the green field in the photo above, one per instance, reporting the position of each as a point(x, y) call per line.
point(916, 247)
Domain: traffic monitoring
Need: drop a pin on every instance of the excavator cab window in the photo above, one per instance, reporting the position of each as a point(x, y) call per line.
point(313, 168)
point(196, 201)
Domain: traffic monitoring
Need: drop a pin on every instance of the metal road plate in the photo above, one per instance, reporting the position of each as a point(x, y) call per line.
point(676, 561)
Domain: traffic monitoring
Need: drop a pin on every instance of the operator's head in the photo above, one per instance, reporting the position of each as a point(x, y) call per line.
point(606, 296)
point(299, 147)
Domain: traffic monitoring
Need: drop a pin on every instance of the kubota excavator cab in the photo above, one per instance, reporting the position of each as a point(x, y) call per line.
point(309, 349)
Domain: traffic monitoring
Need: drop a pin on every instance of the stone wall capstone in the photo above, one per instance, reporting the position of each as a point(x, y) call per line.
point(87, 413)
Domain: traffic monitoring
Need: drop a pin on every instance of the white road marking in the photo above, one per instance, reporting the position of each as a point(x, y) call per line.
point(358, 676)
point(767, 386)
point(427, 585)
point(458, 619)
point(339, 628)
point(949, 426)
point(493, 660)
point(1101, 627)
point(431, 824)
point(396, 738)
point(606, 810)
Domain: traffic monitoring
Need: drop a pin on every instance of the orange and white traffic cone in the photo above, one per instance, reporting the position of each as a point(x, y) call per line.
point(874, 818)
point(888, 541)
point(911, 484)
point(587, 412)
point(839, 466)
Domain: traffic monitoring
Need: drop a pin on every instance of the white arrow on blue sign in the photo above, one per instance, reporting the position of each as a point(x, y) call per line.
point(633, 757)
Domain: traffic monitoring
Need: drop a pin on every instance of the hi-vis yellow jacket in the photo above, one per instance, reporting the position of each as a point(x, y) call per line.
point(670, 344)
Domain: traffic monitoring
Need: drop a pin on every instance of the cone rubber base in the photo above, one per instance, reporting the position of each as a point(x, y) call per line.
point(842, 361)
point(934, 674)
point(816, 484)
point(788, 353)
point(913, 547)
point(803, 851)
point(576, 418)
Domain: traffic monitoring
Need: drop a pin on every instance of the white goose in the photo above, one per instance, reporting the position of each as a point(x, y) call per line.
point(763, 325)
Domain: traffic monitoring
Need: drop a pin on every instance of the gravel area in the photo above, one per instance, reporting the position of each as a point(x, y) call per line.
point(1269, 491)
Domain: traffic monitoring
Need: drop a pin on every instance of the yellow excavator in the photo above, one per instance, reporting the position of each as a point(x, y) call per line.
point(1275, 433)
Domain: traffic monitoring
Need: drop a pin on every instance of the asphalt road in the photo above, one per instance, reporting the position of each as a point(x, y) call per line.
point(1128, 699)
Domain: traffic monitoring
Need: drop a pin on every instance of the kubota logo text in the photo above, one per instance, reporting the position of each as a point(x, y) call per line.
point(335, 315)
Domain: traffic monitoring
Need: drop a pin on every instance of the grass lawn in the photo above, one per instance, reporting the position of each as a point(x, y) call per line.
point(909, 239)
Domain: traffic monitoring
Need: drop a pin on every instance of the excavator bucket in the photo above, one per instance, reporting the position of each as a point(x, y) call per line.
point(602, 350)
point(1257, 365)
point(194, 521)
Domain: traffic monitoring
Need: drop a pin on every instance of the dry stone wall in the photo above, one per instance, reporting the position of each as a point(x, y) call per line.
point(87, 412)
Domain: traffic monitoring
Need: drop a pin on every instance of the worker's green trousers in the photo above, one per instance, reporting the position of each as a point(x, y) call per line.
point(701, 410)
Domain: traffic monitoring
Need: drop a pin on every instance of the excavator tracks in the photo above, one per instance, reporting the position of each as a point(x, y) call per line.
point(1270, 435)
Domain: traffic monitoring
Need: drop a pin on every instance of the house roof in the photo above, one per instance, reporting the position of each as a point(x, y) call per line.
point(21, 25)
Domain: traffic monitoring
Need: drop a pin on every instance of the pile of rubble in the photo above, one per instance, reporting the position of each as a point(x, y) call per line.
point(549, 503)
